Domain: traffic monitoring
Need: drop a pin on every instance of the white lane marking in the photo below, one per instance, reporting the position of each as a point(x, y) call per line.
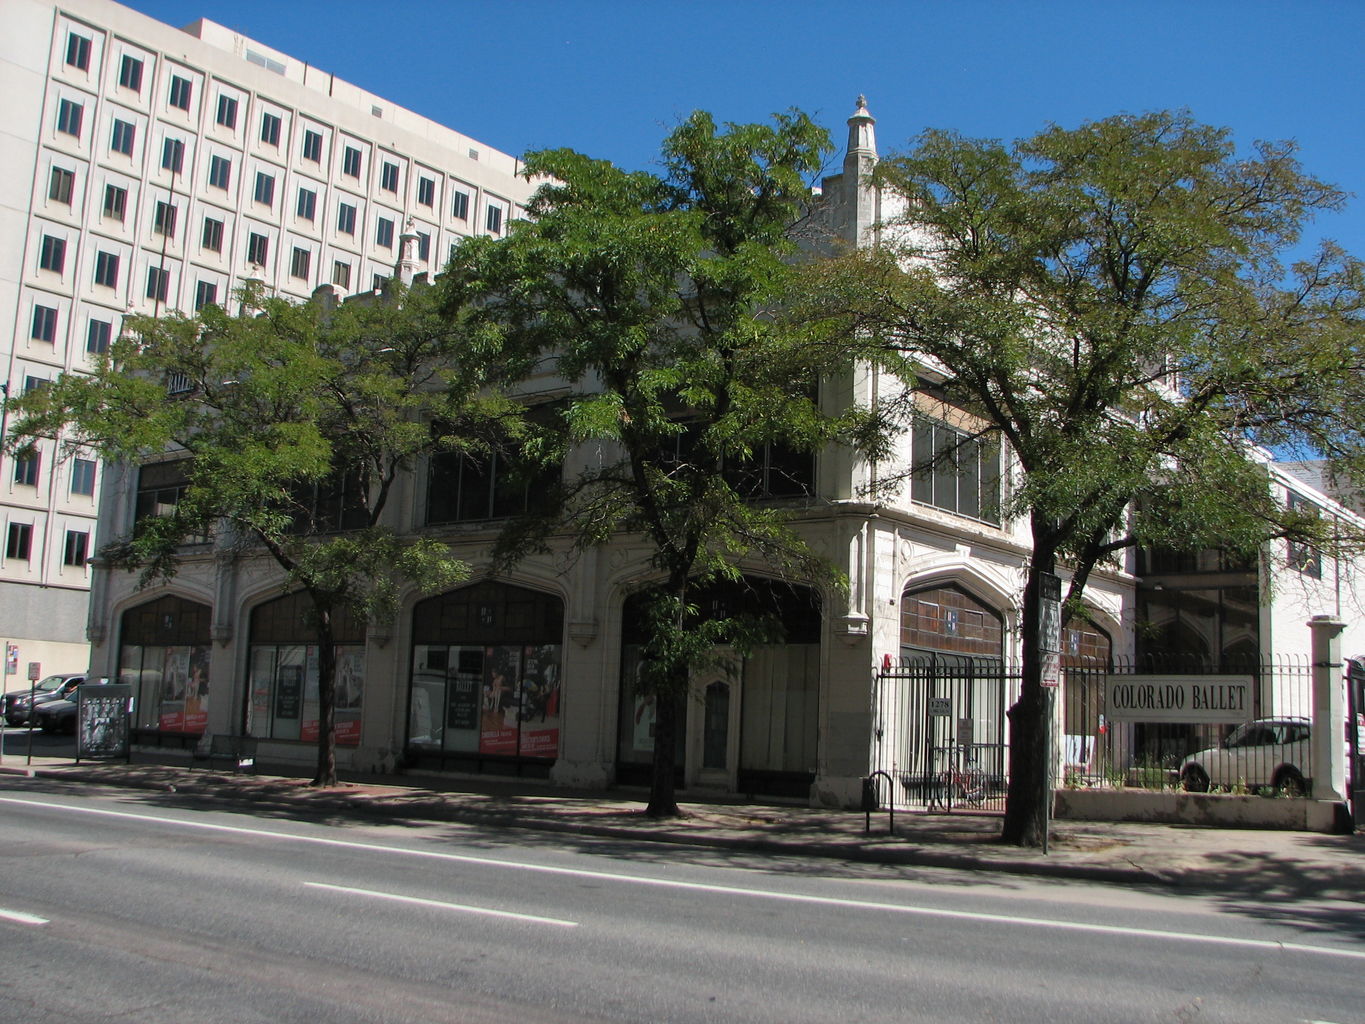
point(724, 890)
point(418, 901)
point(19, 917)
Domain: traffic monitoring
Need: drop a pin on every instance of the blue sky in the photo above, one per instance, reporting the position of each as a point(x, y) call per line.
point(609, 77)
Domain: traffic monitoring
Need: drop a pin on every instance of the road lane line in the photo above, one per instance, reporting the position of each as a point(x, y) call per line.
point(723, 890)
point(19, 917)
point(418, 901)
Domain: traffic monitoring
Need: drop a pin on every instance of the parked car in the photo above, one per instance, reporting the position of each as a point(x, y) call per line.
point(19, 703)
point(1269, 752)
point(57, 715)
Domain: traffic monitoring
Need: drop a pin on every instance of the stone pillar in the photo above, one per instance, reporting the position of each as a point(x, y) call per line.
point(1329, 715)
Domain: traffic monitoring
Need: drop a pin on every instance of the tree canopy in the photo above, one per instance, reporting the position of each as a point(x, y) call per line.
point(1111, 302)
point(652, 296)
point(294, 421)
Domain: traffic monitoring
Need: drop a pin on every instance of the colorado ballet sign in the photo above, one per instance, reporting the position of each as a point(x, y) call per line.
point(1178, 698)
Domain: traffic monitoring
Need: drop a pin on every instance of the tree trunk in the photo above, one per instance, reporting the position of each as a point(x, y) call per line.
point(326, 774)
point(663, 801)
point(1026, 810)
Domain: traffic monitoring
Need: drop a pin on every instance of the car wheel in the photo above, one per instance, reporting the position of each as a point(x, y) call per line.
point(1288, 782)
point(1195, 779)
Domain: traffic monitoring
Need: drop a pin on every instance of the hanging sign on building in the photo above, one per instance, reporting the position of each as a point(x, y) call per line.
point(1179, 698)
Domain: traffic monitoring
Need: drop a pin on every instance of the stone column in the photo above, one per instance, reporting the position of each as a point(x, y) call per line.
point(1327, 758)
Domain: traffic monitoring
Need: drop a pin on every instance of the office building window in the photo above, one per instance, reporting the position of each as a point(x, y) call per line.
point(270, 129)
point(205, 294)
point(954, 470)
point(388, 177)
point(227, 112)
point(158, 283)
point(220, 172)
point(106, 269)
point(115, 202)
point(173, 155)
point(459, 207)
point(180, 92)
point(32, 383)
point(163, 221)
point(121, 140)
point(44, 326)
point(257, 249)
point(69, 117)
point(299, 262)
point(19, 541)
point(378, 281)
point(60, 185)
point(426, 192)
point(308, 204)
point(26, 470)
point(212, 237)
point(493, 220)
point(52, 254)
point(383, 233)
point(265, 188)
point(77, 547)
point(130, 73)
point(312, 145)
point(97, 337)
point(341, 274)
point(83, 476)
point(423, 246)
point(78, 51)
point(346, 219)
point(350, 162)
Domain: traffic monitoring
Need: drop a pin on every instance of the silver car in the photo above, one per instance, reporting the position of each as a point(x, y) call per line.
point(1269, 752)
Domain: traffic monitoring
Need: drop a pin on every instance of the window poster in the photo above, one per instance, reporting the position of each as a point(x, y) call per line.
point(350, 691)
point(427, 696)
point(174, 680)
point(501, 670)
point(197, 690)
point(539, 714)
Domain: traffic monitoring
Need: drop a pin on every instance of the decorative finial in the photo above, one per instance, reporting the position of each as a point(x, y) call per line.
point(862, 102)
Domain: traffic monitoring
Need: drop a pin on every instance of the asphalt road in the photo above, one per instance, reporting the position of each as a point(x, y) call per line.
point(135, 907)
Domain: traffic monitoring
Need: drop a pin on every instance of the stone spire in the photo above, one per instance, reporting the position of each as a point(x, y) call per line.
point(862, 141)
point(406, 267)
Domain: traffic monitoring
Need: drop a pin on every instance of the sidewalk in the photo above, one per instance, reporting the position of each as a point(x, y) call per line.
point(1274, 866)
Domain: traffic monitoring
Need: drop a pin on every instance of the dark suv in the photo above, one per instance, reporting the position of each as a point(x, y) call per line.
point(19, 704)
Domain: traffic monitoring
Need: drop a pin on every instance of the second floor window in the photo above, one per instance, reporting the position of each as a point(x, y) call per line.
point(205, 294)
point(83, 476)
point(19, 541)
point(77, 548)
point(955, 471)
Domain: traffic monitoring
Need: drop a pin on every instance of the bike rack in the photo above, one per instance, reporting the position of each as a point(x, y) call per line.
point(872, 801)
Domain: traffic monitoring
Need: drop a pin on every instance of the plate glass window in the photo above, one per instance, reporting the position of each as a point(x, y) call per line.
point(158, 283)
point(173, 155)
point(77, 547)
point(121, 141)
point(19, 541)
point(270, 129)
point(60, 185)
point(312, 145)
point(181, 90)
point(220, 172)
point(78, 51)
point(205, 294)
point(227, 112)
point(83, 476)
point(52, 254)
point(265, 188)
point(212, 237)
point(115, 202)
point(106, 269)
point(44, 326)
point(69, 117)
point(257, 249)
point(130, 73)
point(163, 222)
point(97, 338)
point(308, 204)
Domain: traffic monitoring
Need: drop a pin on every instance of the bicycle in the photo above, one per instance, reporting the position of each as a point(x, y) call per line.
point(962, 783)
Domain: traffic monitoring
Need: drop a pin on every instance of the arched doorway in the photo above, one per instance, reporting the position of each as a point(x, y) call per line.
point(750, 724)
point(164, 650)
point(485, 688)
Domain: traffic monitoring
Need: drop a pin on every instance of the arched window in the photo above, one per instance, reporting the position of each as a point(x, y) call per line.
point(164, 649)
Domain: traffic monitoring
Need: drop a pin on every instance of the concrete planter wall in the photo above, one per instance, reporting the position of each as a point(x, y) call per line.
point(1215, 810)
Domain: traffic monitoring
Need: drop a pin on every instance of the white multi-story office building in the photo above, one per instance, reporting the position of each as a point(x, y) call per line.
point(146, 168)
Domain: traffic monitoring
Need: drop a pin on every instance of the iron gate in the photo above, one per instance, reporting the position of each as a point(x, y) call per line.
point(939, 730)
point(1355, 733)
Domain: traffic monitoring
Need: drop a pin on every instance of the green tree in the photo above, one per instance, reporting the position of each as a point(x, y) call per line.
point(1110, 301)
point(296, 421)
point(650, 295)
